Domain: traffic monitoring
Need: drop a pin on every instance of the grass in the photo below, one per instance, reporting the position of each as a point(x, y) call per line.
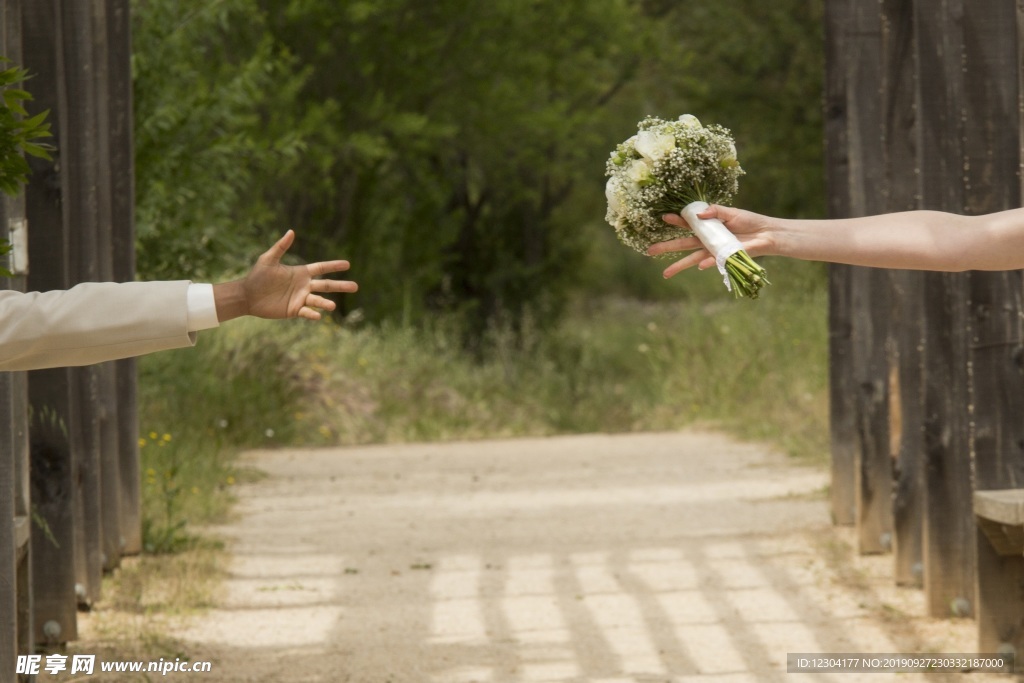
point(141, 601)
point(756, 369)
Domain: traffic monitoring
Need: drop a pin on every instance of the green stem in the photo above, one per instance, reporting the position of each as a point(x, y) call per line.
point(745, 275)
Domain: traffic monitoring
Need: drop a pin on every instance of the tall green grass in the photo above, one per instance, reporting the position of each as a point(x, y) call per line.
point(755, 369)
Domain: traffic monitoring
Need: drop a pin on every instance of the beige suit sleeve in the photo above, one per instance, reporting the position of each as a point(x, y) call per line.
point(92, 323)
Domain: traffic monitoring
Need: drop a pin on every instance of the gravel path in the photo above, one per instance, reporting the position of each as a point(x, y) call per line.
point(609, 559)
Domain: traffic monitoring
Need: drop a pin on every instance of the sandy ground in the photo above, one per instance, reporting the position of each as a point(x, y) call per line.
point(670, 557)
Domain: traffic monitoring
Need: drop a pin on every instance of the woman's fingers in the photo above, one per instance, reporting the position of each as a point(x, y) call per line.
point(688, 261)
point(679, 244)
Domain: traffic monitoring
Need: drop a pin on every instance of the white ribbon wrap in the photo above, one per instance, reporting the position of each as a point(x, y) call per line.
point(713, 234)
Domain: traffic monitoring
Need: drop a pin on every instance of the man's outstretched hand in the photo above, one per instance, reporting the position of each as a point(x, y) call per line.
point(274, 290)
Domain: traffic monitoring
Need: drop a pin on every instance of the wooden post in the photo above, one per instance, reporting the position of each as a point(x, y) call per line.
point(122, 210)
point(15, 530)
point(869, 287)
point(993, 158)
point(842, 429)
point(106, 405)
point(906, 422)
point(8, 540)
point(81, 215)
point(948, 547)
point(18, 435)
point(53, 406)
point(905, 338)
point(15, 504)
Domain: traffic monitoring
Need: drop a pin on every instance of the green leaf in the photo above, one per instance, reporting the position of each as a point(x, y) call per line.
point(38, 151)
point(35, 121)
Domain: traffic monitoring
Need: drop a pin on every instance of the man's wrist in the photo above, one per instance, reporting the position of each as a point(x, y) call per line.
point(230, 300)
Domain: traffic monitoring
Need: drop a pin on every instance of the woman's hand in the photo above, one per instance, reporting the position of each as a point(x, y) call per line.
point(753, 231)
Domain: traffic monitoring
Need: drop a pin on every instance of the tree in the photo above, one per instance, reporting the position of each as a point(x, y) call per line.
point(452, 134)
point(454, 151)
point(758, 68)
point(209, 83)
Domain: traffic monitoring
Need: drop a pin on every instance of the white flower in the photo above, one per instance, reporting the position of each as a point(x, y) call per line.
point(729, 159)
point(613, 199)
point(689, 121)
point(653, 146)
point(639, 172)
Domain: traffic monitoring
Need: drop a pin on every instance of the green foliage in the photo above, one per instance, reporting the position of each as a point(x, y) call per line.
point(758, 370)
point(452, 135)
point(165, 504)
point(758, 68)
point(19, 135)
point(18, 132)
point(610, 365)
point(239, 388)
point(453, 151)
point(212, 94)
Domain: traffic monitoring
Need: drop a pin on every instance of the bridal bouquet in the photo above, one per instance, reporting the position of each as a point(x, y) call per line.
point(680, 167)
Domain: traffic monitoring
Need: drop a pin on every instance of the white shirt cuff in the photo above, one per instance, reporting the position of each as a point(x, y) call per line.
point(202, 308)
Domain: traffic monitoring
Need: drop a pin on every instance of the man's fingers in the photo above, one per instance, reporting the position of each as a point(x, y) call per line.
point(346, 286)
point(309, 314)
point(274, 255)
point(324, 267)
point(316, 301)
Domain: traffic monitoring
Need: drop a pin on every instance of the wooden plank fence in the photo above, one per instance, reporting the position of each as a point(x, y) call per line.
point(924, 110)
point(69, 439)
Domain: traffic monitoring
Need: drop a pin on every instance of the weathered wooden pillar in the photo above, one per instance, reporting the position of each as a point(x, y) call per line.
point(82, 215)
point(122, 220)
point(106, 406)
point(842, 428)
point(53, 402)
point(15, 505)
point(906, 424)
point(869, 286)
point(904, 297)
point(949, 557)
point(992, 104)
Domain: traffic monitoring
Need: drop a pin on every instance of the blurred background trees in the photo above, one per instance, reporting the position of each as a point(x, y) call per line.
point(452, 150)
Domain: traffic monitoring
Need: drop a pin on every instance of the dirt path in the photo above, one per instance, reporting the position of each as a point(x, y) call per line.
point(609, 559)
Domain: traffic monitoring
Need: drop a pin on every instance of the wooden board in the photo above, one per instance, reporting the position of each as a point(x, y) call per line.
point(50, 392)
point(842, 428)
point(948, 546)
point(905, 299)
